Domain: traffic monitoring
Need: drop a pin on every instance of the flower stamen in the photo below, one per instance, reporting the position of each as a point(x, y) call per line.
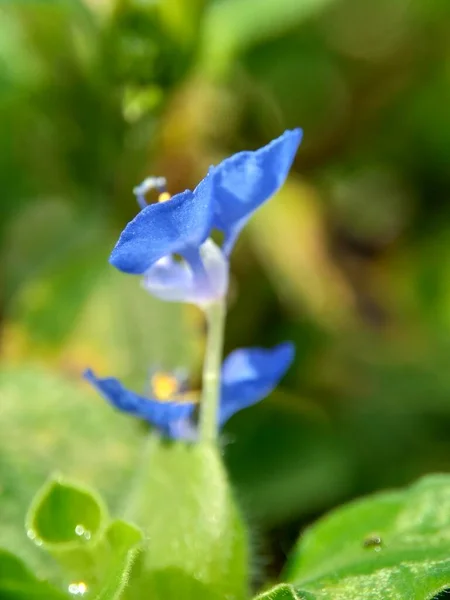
point(164, 197)
point(151, 183)
point(164, 386)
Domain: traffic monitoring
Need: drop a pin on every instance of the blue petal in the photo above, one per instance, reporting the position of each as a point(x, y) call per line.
point(164, 415)
point(246, 180)
point(250, 374)
point(164, 228)
point(201, 281)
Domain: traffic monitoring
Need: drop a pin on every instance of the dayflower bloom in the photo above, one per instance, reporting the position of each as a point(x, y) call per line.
point(224, 200)
point(248, 376)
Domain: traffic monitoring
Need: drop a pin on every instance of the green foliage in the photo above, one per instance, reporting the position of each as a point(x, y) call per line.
point(197, 543)
point(18, 583)
point(64, 512)
point(231, 27)
point(71, 523)
point(351, 261)
point(119, 552)
point(280, 592)
point(49, 424)
point(392, 545)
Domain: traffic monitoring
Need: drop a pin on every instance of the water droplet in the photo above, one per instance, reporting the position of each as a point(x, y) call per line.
point(33, 536)
point(87, 535)
point(77, 589)
point(79, 530)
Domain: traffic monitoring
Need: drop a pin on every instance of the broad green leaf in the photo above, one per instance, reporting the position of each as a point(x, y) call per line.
point(196, 543)
point(392, 545)
point(17, 582)
point(280, 592)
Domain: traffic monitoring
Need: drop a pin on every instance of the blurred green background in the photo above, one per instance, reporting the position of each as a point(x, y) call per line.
point(351, 260)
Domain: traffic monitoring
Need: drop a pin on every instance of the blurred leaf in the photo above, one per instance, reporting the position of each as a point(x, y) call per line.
point(88, 314)
point(286, 460)
point(151, 43)
point(52, 259)
point(196, 542)
point(232, 26)
point(391, 545)
point(182, 18)
point(18, 583)
point(125, 331)
point(13, 568)
point(278, 97)
point(300, 268)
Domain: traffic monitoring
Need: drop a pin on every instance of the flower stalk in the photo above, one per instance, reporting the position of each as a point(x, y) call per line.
point(215, 319)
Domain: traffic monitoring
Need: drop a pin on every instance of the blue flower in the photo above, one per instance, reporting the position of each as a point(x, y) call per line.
point(246, 180)
point(198, 282)
point(251, 374)
point(164, 415)
point(248, 376)
point(224, 200)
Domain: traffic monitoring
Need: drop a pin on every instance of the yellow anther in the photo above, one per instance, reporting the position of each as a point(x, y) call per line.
point(164, 386)
point(164, 196)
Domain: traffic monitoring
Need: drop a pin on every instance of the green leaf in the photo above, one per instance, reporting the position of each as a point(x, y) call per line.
point(197, 544)
point(71, 522)
point(68, 520)
point(64, 512)
point(17, 582)
point(391, 545)
point(121, 548)
point(13, 568)
point(280, 592)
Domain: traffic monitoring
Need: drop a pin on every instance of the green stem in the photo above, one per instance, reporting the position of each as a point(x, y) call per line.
point(215, 318)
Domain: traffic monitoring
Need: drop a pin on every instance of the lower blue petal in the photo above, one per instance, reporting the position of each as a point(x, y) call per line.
point(164, 415)
point(250, 374)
